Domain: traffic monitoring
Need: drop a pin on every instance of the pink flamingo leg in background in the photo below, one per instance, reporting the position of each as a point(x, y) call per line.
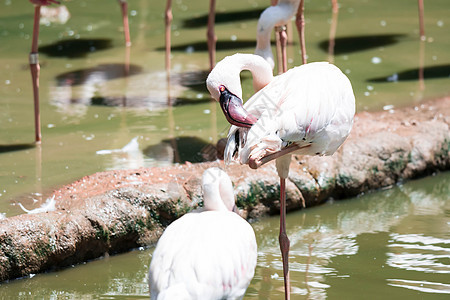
point(168, 20)
point(210, 34)
point(126, 27)
point(300, 23)
point(421, 21)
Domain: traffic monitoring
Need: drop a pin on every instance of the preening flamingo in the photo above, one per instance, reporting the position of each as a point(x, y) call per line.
point(34, 57)
point(209, 254)
point(308, 110)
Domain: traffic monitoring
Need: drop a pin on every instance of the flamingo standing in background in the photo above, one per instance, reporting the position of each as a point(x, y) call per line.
point(277, 16)
point(205, 255)
point(280, 14)
point(308, 110)
point(34, 56)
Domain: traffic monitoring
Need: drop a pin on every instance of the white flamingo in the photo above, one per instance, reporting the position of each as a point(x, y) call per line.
point(205, 255)
point(277, 16)
point(274, 16)
point(308, 110)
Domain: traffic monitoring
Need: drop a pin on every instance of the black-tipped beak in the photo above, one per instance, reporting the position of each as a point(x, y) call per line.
point(233, 109)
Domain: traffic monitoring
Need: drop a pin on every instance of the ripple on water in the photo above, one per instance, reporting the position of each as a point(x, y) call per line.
point(422, 286)
point(417, 252)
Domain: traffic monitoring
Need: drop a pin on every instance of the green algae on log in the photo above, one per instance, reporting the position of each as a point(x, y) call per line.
point(116, 211)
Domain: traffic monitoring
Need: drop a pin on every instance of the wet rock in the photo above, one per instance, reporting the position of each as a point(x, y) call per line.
point(115, 211)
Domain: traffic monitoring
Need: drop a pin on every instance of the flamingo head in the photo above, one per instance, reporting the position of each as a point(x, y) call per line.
point(224, 85)
point(234, 110)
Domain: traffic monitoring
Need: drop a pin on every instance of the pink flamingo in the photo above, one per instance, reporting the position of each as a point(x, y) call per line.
point(34, 56)
point(207, 254)
point(281, 12)
point(308, 110)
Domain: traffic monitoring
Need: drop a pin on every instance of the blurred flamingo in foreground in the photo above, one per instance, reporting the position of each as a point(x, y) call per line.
point(210, 254)
point(34, 56)
point(308, 110)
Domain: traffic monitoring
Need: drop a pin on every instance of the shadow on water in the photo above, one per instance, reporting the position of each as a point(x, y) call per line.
point(224, 17)
point(182, 149)
point(105, 71)
point(75, 48)
point(220, 45)
point(433, 72)
point(16, 147)
point(350, 44)
point(195, 80)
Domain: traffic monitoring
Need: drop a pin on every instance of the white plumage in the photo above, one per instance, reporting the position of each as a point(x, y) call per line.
point(311, 105)
point(271, 17)
point(308, 110)
point(205, 255)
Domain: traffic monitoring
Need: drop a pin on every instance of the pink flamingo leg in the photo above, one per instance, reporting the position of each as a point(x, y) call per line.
point(421, 21)
point(126, 28)
point(284, 240)
point(210, 34)
point(34, 67)
point(168, 20)
point(333, 27)
point(283, 42)
point(300, 23)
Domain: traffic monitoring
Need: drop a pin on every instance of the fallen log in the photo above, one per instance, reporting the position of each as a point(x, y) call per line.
point(116, 211)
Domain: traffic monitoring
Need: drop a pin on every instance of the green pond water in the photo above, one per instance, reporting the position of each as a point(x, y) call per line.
point(90, 104)
point(391, 244)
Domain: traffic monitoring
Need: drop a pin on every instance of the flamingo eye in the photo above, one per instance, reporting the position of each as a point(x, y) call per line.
point(222, 88)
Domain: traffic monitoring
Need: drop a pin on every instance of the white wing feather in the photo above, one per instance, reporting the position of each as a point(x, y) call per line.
point(310, 105)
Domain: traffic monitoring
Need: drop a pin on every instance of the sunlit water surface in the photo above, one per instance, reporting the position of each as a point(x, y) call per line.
point(391, 244)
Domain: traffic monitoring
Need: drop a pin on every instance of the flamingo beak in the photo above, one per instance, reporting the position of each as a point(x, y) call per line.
point(234, 110)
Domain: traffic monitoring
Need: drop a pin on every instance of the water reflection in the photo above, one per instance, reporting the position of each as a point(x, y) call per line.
point(322, 238)
point(75, 48)
point(76, 90)
point(169, 151)
point(381, 244)
point(103, 71)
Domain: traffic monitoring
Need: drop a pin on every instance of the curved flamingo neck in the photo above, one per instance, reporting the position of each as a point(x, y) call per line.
point(260, 69)
point(227, 71)
point(272, 16)
point(217, 191)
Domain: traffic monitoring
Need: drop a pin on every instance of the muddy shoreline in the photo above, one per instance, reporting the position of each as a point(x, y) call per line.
point(115, 211)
